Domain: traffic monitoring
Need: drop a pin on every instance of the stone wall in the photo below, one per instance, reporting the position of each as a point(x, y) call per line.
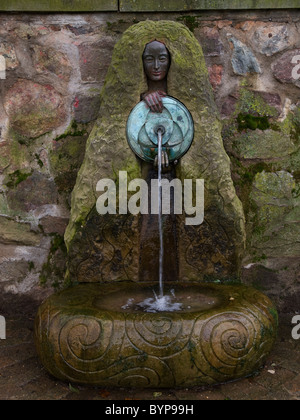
point(55, 68)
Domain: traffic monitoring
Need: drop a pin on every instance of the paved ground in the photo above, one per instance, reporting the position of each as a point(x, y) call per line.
point(23, 378)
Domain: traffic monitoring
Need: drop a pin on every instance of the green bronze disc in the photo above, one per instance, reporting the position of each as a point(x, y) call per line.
point(176, 123)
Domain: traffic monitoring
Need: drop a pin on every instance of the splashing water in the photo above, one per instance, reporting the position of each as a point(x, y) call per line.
point(156, 303)
point(160, 304)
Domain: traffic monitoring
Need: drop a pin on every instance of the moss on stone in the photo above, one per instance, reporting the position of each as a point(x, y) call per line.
point(74, 130)
point(248, 121)
point(17, 177)
point(19, 155)
point(253, 104)
point(3, 205)
point(274, 215)
point(265, 145)
point(190, 21)
point(67, 156)
point(13, 232)
point(55, 267)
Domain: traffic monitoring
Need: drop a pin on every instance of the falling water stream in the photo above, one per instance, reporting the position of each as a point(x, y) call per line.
point(160, 302)
point(160, 221)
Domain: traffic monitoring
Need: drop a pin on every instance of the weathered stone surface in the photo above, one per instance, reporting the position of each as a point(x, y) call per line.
point(49, 60)
point(107, 249)
point(257, 103)
point(34, 109)
point(20, 265)
point(95, 59)
point(287, 67)
point(18, 233)
point(14, 156)
point(276, 220)
point(81, 339)
point(5, 156)
point(271, 39)
point(229, 105)
point(66, 158)
point(209, 39)
point(27, 31)
point(279, 278)
point(3, 204)
point(8, 52)
point(263, 145)
point(108, 153)
point(34, 192)
point(13, 271)
point(216, 73)
point(273, 100)
point(52, 224)
point(243, 60)
point(86, 108)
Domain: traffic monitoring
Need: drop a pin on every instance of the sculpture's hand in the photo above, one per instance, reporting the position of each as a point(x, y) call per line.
point(154, 101)
point(164, 160)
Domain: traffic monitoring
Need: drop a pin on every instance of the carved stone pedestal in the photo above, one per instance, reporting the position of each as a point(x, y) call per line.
point(94, 334)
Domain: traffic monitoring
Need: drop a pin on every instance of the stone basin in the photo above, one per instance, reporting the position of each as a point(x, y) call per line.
point(98, 334)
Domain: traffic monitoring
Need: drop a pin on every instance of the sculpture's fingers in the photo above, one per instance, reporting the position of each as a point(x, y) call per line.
point(150, 102)
point(162, 160)
point(166, 158)
point(146, 100)
point(159, 102)
point(162, 93)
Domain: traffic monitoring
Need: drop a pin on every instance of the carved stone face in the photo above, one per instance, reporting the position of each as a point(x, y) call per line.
point(156, 59)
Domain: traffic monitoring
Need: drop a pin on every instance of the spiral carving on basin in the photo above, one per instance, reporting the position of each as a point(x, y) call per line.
point(128, 347)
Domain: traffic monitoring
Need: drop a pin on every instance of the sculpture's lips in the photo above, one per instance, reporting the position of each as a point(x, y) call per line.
point(157, 74)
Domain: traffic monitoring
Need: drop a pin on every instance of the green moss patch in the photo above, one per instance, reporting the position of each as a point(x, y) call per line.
point(248, 121)
point(67, 156)
point(54, 269)
point(16, 178)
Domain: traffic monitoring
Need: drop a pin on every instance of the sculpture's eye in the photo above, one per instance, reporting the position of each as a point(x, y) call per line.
point(149, 59)
point(163, 58)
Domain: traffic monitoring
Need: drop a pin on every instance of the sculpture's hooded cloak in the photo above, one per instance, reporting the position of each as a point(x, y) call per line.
point(104, 248)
